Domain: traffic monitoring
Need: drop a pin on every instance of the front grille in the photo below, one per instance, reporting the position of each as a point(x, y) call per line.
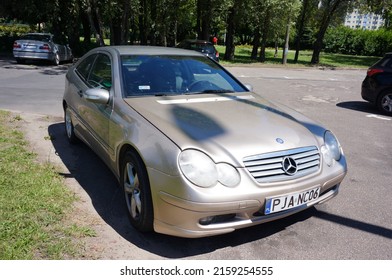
point(266, 168)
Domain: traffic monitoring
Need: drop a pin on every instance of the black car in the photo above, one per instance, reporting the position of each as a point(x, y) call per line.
point(205, 47)
point(377, 86)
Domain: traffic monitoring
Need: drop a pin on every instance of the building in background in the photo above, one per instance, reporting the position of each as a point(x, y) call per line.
point(370, 21)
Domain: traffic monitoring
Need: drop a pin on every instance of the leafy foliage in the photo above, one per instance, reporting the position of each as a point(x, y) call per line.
point(357, 41)
point(166, 22)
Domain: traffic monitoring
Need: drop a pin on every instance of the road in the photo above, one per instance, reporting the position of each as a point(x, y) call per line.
point(357, 224)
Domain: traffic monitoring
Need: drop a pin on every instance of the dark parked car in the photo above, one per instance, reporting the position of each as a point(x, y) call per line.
point(41, 46)
point(377, 86)
point(205, 47)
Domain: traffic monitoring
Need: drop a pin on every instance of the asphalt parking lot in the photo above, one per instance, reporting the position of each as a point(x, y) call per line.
point(357, 224)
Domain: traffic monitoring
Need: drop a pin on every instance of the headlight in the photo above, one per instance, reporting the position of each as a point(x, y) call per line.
point(202, 171)
point(331, 148)
point(228, 175)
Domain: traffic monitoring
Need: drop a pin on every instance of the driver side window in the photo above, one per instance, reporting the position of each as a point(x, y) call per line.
point(101, 73)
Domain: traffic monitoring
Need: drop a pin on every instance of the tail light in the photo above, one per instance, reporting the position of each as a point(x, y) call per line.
point(45, 47)
point(373, 71)
point(217, 54)
point(17, 46)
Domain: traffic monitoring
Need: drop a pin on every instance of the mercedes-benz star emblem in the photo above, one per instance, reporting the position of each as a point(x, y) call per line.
point(289, 165)
point(279, 140)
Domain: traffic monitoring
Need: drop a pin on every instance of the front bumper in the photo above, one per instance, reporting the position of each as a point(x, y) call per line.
point(182, 216)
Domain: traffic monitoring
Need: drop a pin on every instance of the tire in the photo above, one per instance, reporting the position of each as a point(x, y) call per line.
point(19, 61)
point(56, 59)
point(69, 128)
point(136, 187)
point(384, 102)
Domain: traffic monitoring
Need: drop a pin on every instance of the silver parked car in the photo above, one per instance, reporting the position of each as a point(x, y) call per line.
point(195, 151)
point(41, 46)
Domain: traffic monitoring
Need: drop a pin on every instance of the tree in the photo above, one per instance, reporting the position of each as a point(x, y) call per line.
point(231, 24)
point(268, 26)
point(328, 9)
point(308, 9)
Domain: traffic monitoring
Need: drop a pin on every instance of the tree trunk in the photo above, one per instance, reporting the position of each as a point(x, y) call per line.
point(318, 44)
point(153, 9)
point(143, 30)
point(256, 44)
point(230, 47)
point(198, 20)
point(125, 23)
point(86, 27)
point(95, 20)
point(264, 37)
point(204, 14)
point(286, 44)
point(300, 30)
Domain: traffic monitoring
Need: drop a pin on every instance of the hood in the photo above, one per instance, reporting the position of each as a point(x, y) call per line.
point(228, 127)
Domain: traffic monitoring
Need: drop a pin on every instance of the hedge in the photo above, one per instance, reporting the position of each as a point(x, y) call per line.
point(9, 33)
point(345, 40)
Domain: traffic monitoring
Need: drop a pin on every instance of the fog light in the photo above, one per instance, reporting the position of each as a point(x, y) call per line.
point(217, 219)
point(206, 221)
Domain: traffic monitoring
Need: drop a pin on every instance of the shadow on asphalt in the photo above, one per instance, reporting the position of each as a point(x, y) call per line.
point(107, 198)
point(44, 67)
point(361, 106)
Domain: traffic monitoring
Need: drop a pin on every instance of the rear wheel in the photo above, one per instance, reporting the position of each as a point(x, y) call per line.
point(19, 60)
point(384, 102)
point(137, 192)
point(69, 128)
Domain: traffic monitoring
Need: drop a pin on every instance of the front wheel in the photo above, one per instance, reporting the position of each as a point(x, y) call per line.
point(384, 102)
point(137, 192)
point(56, 59)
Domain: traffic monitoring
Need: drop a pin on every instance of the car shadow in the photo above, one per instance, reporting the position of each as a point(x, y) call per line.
point(44, 67)
point(361, 106)
point(107, 198)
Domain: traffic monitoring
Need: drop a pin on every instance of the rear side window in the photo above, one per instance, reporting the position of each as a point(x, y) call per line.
point(386, 62)
point(83, 69)
point(101, 73)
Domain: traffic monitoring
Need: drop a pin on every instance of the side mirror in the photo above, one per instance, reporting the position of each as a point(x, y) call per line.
point(97, 95)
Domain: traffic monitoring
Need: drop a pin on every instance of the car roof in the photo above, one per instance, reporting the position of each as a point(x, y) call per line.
point(197, 41)
point(37, 33)
point(148, 50)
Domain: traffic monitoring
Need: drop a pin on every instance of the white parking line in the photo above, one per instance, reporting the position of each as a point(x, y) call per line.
point(378, 117)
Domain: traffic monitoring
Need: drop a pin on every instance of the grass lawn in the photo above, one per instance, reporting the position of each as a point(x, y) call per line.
point(34, 203)
point(243, 53)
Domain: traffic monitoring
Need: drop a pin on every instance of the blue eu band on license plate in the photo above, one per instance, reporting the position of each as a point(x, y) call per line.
point(285, 202)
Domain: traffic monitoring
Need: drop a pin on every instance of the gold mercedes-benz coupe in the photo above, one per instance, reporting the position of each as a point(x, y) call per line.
point(195, 151)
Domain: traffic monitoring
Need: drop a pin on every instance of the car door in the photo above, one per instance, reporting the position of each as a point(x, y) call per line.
point(62, 47)
point(96, 116)
point(92, 118)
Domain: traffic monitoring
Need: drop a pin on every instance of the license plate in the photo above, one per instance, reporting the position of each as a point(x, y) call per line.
point(27, 46)
point(285, 202)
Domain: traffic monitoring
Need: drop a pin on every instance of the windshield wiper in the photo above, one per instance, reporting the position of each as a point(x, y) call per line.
point(217, 91)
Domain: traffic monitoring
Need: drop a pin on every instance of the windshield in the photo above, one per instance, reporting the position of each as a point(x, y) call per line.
point(204, 48)
point(36, 37)
point(175, 75)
